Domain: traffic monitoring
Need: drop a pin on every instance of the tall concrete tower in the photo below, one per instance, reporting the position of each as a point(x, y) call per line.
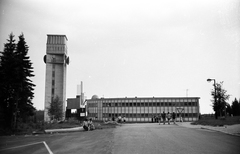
point(56, 60)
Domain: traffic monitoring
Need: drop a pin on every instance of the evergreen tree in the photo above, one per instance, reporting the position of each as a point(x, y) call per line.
point(25, 71)
point(16, 90)
point(221, 96)
point(7, 82)
point(235, 107)
point(55, 109)
point(229, 109)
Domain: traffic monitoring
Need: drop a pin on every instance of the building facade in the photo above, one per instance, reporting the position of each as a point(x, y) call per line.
point(56, 66)
point(142, 109)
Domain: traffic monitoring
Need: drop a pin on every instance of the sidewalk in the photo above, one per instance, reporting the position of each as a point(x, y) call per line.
point(228, 129)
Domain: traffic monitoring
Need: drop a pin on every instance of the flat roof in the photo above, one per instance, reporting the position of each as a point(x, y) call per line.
point(145, 98)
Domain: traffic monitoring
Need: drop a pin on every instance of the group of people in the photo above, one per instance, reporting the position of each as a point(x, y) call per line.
point(165, 117)
point(121, 119)
point(168, 116)
point(88, 124)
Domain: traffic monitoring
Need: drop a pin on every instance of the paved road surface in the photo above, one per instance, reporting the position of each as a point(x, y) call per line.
point(126, 139)
point(153, 138)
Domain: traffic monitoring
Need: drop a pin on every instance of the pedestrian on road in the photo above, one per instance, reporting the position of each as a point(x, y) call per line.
point(164, 117)
point(159, 118)
point(168, 117)
point(174, 117)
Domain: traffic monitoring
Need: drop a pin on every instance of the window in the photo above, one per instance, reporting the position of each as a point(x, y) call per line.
point(154, 104)
point(158, 104)
point(130, 104)
point(142, 104)
point(116, 104)
point(146, 104)
point(150, 104)
point(134, 104)
point(138, 104)
point(52, 91)
point(123, 104)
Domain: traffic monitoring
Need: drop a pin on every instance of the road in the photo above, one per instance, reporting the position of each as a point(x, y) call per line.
point(127, 139)
point(153, 138)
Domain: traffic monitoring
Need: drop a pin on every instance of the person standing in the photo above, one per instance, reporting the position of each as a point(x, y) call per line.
point(174, 117)
point(159, 118)
point(164, 117)
point(168, 117)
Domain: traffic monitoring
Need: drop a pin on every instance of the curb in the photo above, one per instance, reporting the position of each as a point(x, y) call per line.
point(221, 131)
point(205, 127)
point(64, 130)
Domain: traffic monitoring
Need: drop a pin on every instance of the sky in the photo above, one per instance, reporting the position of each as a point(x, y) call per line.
point(133, 48)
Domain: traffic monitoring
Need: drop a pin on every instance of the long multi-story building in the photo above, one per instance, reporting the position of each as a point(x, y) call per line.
point(142, 109)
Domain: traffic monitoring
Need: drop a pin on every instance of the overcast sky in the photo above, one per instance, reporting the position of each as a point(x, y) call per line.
point(133, 48)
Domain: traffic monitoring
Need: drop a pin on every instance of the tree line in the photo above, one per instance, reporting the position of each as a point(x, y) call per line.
point(220, 104)
point(16, 86)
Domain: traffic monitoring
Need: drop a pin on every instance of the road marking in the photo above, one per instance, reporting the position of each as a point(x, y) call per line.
point(50, 152)
point(20, 146)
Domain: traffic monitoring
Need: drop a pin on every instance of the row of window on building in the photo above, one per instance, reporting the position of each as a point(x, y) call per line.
point(145, 104)
point(140, 115)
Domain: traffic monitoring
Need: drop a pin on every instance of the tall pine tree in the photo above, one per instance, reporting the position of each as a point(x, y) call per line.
point(25, 71)
point(16, 90)
point(7, 82)
point(236, 107)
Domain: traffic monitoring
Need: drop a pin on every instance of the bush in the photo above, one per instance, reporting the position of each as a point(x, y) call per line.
point(218, 122)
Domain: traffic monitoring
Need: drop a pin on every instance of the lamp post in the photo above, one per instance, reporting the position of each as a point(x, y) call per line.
point(214, 84)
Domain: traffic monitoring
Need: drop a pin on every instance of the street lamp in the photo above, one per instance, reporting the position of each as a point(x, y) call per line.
point(214, 84)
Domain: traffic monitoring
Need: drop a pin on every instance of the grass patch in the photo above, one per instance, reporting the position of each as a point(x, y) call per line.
point(40, 127)
point(76, 123)
point(211, 121)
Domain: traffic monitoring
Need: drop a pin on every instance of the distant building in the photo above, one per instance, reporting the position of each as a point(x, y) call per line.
point(142, 109)
point(76, 107)
point(56, 64)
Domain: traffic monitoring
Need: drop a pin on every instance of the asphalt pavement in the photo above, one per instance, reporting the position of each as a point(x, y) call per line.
point(145, 138)
point(153, 139)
